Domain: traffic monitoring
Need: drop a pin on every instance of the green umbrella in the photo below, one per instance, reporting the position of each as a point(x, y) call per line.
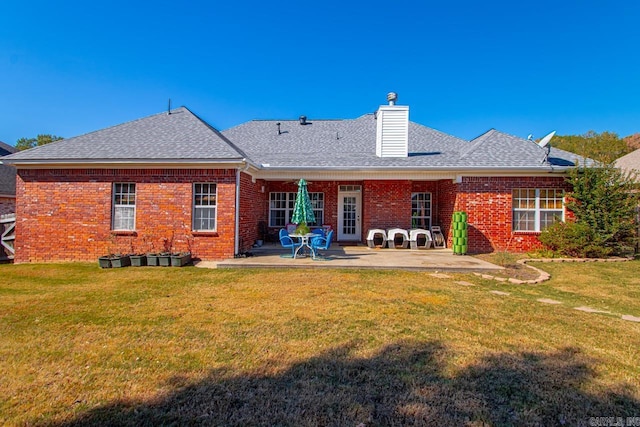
point(303, 211)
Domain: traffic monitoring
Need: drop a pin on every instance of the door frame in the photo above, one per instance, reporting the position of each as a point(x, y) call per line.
point(357, 193)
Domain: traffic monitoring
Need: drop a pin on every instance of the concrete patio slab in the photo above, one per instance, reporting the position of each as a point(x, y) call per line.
point(362, 257)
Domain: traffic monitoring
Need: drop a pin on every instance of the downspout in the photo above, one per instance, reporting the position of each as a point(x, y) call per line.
point(237, 228)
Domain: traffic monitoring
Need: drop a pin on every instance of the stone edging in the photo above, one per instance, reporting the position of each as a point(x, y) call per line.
point(543, 275)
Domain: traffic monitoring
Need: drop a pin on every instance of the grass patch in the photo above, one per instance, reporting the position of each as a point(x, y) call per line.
point(84, 346)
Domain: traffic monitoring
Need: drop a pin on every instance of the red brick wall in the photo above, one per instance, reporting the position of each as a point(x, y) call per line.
point(387, 204)
point(65, 215)
point(254, 203)
point(7, 205)
point(487, 201)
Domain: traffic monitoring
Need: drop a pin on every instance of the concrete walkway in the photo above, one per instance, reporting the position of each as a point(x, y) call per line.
point(360, 257)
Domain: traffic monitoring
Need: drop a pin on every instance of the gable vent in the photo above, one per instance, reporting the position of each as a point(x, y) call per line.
point(392, 130)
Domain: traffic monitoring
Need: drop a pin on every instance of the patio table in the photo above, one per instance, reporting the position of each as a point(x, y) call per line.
point(305, 240)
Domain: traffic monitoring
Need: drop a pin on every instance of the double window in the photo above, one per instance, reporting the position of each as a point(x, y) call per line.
point(281, 208)
point(421, 210)
point(534, 209)
point(124, 207)
point(204, 207)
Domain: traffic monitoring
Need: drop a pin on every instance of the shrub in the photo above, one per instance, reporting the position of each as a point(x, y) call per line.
point(603, 202)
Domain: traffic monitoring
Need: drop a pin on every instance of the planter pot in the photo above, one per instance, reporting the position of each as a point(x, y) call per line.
point(180, 260)
point(152, 260)
point(120, 261)
point(104, 262)
point(138, 260)
point(164, 260)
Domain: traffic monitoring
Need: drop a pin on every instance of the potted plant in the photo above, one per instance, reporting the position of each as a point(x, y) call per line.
point(180, 259)
point(104, 261)
point(164, 258)
point(152, 255)
point(120, 260)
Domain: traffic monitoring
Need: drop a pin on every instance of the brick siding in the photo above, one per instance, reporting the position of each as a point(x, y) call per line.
point(65, 215)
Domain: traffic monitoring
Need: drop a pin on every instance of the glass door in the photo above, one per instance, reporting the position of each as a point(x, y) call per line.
point(349, 228)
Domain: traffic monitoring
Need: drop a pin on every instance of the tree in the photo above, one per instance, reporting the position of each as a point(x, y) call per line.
point(604, 147)
point(41, 139)
point(604, 202)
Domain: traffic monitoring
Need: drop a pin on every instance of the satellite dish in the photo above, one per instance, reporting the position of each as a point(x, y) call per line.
point(530, 137)
point(544, 141)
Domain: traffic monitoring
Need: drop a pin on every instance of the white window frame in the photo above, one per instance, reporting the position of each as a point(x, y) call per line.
point(123, 215)
point(536, 201)
point(427, 197)
point(286, 201)
point(205, 200)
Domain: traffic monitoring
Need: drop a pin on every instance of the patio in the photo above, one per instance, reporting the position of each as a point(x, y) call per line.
point(359, 257)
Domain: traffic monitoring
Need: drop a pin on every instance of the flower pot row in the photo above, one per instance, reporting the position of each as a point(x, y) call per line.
point(162, 260)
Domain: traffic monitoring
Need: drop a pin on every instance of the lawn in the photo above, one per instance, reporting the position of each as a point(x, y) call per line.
point(149, 346)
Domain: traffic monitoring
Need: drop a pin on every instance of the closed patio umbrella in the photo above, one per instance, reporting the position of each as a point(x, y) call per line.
point(302, 210)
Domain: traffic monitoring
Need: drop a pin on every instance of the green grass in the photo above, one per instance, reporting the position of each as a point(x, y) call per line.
point(135, 346)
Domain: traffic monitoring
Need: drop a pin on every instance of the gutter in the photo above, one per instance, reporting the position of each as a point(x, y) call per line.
point(121, 163)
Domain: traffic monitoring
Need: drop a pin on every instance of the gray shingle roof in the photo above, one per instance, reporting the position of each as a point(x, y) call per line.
point(352, 144)
point(346, 144)
point(179, 136)
point(6, 149)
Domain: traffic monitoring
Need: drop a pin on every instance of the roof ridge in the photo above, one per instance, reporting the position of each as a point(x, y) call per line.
point(217, 132)
point(476, 142)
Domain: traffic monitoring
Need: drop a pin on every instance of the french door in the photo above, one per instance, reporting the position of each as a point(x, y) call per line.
point(349, 208)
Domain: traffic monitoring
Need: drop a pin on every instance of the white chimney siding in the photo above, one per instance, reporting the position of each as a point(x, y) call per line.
point(392, 133)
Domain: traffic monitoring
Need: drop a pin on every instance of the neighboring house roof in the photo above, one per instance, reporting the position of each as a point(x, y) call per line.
point(273, 146)
point(177, 137)
point(6, 149)
point(7, 173)
point(630, 163)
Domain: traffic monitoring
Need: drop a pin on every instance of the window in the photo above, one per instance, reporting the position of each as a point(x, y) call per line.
point(421, 210)
point(204, 207)
point(536, 209)
point(124, 206)
point(281, 208)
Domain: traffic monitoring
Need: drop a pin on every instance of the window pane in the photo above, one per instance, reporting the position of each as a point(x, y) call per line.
point(524, 221)
point(205, 218)
point(204, 206)
point(123, 218)
point(421, 210)
point(124, 201)
point(549, 217)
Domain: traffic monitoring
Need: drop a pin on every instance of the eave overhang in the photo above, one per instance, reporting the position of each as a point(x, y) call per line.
point(126, 163)
point(387, 173)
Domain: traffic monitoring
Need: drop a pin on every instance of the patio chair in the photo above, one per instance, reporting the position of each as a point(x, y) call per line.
point(322, 243)
point(318, 231)
point(288, 242)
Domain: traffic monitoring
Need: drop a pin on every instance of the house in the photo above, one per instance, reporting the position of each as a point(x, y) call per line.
point(630, 164)
point(171, 181)
point(7, 182)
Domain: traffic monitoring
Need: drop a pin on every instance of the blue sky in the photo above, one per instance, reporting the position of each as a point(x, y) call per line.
point(463, 67)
